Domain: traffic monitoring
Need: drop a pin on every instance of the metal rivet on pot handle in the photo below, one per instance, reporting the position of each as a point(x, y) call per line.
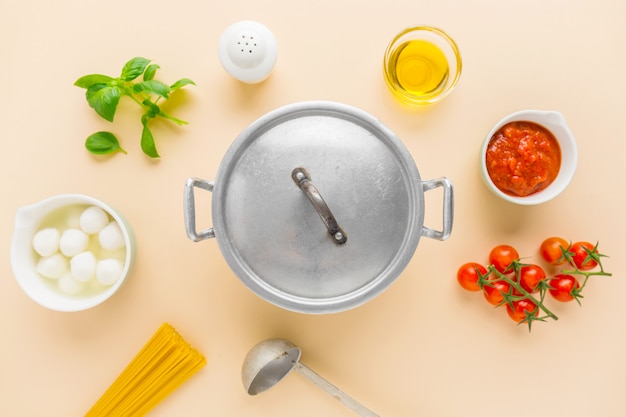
point(448, 208)
point(190, 209)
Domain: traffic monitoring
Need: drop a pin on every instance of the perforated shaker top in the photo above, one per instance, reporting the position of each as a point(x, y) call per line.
point(248, 51)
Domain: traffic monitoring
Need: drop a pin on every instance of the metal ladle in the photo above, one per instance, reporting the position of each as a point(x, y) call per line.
point(270, 361)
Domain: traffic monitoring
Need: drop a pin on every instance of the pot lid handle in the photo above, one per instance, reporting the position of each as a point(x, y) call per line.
point(303, 180)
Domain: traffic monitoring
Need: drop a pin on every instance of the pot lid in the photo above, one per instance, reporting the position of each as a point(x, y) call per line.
point(273, 235)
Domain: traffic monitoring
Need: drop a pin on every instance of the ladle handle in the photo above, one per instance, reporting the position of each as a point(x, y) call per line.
point(335, 392)
point(303, 180)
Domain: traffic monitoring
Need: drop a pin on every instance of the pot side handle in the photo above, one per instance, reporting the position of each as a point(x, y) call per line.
point(190, 209)
point(448, 208)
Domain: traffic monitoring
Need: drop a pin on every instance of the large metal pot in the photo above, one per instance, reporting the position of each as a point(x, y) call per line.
point(317, 207)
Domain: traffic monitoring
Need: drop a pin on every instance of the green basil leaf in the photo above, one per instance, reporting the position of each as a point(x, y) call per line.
point(104, 99)
point(181, 83)
point(89, 80)
point(134, 68)
point(150, 72)
point(152, 87)
point(102, 143)
point(147, 141)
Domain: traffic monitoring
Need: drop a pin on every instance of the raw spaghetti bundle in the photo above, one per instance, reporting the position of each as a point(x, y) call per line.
point(162, 365)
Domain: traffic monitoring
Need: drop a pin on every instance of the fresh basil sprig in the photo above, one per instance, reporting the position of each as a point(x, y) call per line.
point(103, 94)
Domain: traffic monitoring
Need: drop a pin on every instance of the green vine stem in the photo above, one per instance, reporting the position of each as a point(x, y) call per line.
point(592, 255)
point(516, 292)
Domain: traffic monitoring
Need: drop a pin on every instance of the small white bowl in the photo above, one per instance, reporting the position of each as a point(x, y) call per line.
point(28, 221)
point(555, 123)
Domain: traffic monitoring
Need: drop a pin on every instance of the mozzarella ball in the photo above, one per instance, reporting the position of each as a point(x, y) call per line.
point(73, 242)
point(83, 266)
point(93, 219)
point(69, 285)
point(109, 271)
point(46, 241)
point(52, 266)
point(111, 237)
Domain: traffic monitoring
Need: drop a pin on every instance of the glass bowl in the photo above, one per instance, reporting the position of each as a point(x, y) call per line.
point(422, 65)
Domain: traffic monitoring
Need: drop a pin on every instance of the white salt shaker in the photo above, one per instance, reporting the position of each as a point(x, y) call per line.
point(248, 51)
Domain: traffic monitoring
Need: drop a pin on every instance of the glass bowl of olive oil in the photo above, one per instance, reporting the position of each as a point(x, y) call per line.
point(422, 65)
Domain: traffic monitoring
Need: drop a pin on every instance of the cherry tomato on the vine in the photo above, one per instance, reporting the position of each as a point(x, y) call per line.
point(518, 312)
point(530, 275)
point(562, 287)
point(502, 256)
point(495, 294)
point(581, 257)
point(551, 251)
point(468, 275)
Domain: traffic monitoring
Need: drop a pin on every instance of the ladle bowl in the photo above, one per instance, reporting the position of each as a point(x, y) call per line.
point(268, 362)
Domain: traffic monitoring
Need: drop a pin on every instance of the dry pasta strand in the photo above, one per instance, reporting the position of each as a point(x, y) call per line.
point(161, 366)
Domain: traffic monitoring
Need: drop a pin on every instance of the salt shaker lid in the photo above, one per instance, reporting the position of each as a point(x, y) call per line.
point(248, 51)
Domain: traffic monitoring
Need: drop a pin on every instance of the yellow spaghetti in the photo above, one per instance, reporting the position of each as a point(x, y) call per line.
point(161, 366)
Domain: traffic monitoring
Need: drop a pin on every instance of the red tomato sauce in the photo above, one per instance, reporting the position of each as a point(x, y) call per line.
point(523, 158)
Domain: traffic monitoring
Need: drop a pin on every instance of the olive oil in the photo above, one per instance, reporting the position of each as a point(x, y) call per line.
point(419, 67)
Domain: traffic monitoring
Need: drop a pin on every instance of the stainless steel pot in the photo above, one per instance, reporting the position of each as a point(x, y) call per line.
point(317, 207)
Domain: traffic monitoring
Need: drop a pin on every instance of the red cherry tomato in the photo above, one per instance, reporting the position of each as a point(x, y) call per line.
point(520, 307)
point(468, 275)
point(581, 255)
point(502, 256)
point(563, 287)
point(495, 294)
point(551, 250)
point(530, 275)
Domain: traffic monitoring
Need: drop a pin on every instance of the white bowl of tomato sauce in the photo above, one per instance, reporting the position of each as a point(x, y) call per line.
point(529, 157)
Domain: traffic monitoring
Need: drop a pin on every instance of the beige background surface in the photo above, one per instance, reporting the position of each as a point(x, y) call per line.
point(422, 348)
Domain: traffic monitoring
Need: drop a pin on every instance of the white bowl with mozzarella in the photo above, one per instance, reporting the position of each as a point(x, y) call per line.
point(71, 252)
